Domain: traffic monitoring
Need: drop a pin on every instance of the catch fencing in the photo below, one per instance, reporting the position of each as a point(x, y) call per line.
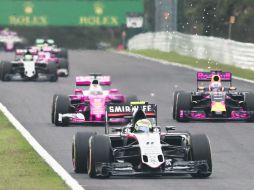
point(202, 47)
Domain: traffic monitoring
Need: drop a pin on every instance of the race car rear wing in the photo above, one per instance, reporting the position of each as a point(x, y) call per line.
point(127, 111)
point(87, 80)
point(207, 76)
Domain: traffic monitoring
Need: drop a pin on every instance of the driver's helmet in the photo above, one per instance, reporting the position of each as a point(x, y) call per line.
point(95, 88)
point(143, 125)
point(215, 84)
point(50, 42)
point(95, 82)
point(28, 57)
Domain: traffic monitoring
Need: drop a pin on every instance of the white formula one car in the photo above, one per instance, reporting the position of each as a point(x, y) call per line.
point(140, 148)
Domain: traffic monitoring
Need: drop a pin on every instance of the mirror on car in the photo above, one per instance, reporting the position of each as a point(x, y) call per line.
point(232, 88)
point(116, 130)
point(201, 88)
point(170, 128)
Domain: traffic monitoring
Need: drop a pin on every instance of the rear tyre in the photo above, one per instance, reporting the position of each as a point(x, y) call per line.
point(200, 150)
point(62, 105)
point(64, 53)
point(131, 98)
point(100, 150)
point(52, 72)
point(80, 151)
point(174, 103)
point(183, 102)
point(249, 104)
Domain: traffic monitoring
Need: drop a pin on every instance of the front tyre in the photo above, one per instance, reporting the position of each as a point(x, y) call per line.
point(174, 103)
point(183, 103)
point(62, 106)
point(6, 68)
point(52, 72)
point(53, 108)
point(249, 104)
point(80, 151)
point(200, 150)
point(63, 68)
point(100, 151)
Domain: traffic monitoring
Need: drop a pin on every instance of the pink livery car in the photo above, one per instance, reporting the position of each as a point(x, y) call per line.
point(87, 105)
point(9, 40)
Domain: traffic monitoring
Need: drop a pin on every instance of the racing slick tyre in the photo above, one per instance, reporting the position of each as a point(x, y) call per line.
point(100, 150)
point(131, 98)
point(1, 70)
point(183, 102)
point(63, 53)
point(249, 104)
point(200, 150)
point(52, 72)
point(80, 151)
point(174, 103)
point(62, 105)
point(53, 108)
point(64, 64)
point(6, 69)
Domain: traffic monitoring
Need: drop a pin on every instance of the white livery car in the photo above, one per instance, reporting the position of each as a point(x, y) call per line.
point(27, 68)
point(140, 148)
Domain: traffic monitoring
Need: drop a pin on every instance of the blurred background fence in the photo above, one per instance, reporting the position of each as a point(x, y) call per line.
point(202, 47)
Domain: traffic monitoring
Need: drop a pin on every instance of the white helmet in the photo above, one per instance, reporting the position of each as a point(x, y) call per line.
point(143, 125)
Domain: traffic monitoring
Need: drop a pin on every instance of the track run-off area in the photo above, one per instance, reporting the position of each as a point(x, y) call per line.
point(231, 142)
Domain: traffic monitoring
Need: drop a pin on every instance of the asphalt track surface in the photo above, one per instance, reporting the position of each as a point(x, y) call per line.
point(232, 143)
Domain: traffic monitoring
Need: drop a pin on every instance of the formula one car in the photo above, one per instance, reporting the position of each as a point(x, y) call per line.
point(140, 148)
point(26, 67)
point(9, 40)
point(214, 102)
point(87, 106)
point(47, 54)
point(48, 51)
point(60, 52)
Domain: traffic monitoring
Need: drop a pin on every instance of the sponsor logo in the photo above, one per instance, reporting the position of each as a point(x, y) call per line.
point(28, 20)
point(28, 8)
point(130, 109)
point(99, 21)
point(98, 9)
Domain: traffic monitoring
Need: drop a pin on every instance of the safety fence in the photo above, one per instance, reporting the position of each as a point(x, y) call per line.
point(202, 47)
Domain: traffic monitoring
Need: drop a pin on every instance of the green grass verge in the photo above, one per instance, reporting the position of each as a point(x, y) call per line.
point(21, 168)
point(198, 63)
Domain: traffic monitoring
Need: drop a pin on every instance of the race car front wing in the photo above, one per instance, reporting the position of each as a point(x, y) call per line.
point(79, 118)
point(178, 167)
point(201, 115)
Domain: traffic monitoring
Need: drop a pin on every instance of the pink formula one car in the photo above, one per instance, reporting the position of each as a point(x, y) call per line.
point(9, 40)
point(49, 55)
point(87, 106)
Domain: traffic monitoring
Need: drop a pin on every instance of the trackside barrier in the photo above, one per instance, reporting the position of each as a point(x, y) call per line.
point(202, 47)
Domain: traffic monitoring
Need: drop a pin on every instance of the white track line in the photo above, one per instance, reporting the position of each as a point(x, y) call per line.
point(174, 64)
point(68, 179)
